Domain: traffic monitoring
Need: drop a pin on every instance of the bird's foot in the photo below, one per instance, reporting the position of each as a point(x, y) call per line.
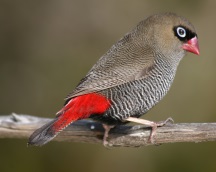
point(107, 128)
point(158, 124)
point(152, 124)
point(167, 121)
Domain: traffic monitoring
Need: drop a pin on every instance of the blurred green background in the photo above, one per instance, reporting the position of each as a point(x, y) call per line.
point(48, 46)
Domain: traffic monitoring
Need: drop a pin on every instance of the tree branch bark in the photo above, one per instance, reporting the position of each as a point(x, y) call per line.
point(21, 126)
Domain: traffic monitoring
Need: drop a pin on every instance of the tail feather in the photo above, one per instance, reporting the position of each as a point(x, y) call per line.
point(50, 130)
point(43, 135)
point(77, 108)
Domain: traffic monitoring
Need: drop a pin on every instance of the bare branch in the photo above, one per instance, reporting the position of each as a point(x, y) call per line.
point(21, 126)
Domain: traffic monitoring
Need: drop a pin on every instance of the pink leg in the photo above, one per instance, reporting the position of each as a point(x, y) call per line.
point(152, 124)
point(107, 128)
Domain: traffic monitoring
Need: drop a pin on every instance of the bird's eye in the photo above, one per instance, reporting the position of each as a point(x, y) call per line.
point(181, 32)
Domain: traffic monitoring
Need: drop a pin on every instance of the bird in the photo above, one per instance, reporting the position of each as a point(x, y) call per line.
point(129, 79)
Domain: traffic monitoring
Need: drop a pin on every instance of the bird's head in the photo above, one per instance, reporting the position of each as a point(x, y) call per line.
point(170, 35)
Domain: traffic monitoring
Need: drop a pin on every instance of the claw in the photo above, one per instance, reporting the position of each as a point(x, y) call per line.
point(152, 124)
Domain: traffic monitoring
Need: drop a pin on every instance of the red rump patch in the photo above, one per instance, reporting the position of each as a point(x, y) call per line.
point(79, 108)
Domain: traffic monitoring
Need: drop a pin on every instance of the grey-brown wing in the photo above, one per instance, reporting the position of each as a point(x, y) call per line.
point(124, 62)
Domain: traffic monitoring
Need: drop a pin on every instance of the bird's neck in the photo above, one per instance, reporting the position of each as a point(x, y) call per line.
point(170, 62)
point(166, 69)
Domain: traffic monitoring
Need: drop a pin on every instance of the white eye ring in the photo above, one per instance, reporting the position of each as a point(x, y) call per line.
point(181, 32)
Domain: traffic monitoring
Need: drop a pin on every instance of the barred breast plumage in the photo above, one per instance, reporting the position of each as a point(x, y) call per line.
point(135, 98)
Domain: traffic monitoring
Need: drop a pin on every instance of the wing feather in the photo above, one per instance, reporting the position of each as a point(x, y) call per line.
point(124, 62)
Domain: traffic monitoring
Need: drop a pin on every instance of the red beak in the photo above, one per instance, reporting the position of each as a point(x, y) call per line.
point(192, 46)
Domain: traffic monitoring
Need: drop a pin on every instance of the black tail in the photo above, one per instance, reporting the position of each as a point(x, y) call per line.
point(43, 135)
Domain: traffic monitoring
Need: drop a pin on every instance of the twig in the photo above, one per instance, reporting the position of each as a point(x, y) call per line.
point(21, 126)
